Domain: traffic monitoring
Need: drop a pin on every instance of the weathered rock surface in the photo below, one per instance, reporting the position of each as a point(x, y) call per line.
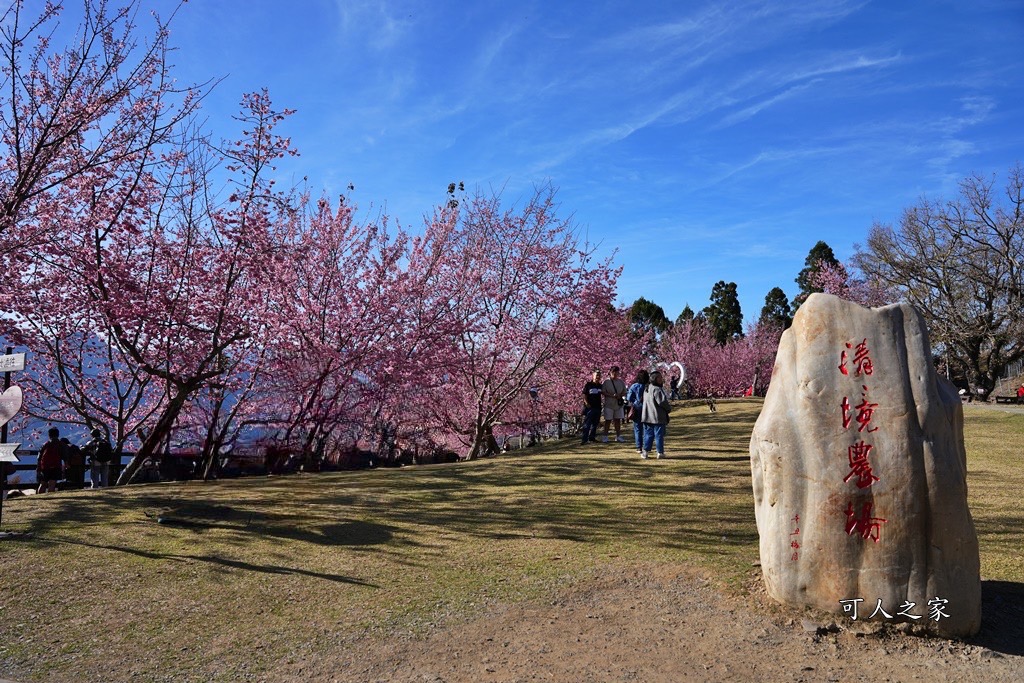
point(859, 473)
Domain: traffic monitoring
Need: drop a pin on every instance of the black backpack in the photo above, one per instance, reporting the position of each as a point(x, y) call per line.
point(72, 456)
point(103, 452)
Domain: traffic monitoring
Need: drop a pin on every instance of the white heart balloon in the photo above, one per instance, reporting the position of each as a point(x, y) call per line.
point(10, 404)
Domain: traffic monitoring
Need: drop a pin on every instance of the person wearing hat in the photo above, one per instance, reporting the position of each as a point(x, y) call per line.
point(655, 415)
point(100, 454)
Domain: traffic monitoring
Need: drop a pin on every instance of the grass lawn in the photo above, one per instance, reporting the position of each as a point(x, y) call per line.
point(257, 571)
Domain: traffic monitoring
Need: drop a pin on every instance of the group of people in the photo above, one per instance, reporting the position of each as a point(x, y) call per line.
point(645, 403)
point(61, 459)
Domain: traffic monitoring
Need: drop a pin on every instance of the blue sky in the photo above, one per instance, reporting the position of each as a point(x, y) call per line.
point(701, 141)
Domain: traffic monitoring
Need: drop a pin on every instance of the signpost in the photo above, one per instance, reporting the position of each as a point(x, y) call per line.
point(12, 362)
point(7, 452)
point(10, 404)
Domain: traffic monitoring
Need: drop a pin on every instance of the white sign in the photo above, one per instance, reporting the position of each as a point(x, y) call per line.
point(12, 362)
point(7, 452)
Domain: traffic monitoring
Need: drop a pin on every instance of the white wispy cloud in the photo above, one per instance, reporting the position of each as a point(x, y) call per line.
point(562, 150)
point(772, 156)
point(378, 24)
point(756, 108)
point(842, 63)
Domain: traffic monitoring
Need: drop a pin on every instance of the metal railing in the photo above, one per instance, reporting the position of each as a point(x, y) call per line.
point(1007, 384)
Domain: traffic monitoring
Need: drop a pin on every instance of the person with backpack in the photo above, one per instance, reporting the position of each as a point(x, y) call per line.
point(635, 401)
point(50, 464)
point(100, 455)
point(74, 465)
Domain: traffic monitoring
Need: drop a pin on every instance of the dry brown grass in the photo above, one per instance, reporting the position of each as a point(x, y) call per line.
point(994, 440)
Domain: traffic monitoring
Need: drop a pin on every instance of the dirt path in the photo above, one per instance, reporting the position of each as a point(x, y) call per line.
point(670, 624)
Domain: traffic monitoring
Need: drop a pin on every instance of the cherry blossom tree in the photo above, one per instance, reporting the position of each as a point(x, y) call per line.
point(338, 312)
point(518, 289)
point(174, 277)
point(837, 279)
point(196, 286)
point(759, 348)
point(76, 119)
point(728, 369)
point(152, 297)
point(229, 409)
point(105, 98)
point(77, 378)
point(607, 337)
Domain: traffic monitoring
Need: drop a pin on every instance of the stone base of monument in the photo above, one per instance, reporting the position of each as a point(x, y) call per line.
point(860, 475)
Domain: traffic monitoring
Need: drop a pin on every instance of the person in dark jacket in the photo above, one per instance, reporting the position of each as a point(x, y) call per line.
point(591, 407)
point(635, 400)
point(74, 465)
point(50, 464)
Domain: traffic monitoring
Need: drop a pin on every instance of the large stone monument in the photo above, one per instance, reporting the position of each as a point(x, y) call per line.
point(859, 473)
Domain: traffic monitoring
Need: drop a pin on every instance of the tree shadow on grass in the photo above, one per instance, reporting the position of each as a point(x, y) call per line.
point(588, 495)
point(689, 455)
point(199, 516)
point(580, 501)
point(354, 533)
point(1002, 617)
point(222, 561)
point(577, 504)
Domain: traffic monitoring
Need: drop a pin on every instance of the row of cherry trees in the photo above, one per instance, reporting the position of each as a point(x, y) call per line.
point(740, 365)
point(156, 304)
point(721, 361)
point(164, 284)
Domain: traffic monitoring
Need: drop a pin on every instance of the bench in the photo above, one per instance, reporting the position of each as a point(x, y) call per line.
point(1009, 399)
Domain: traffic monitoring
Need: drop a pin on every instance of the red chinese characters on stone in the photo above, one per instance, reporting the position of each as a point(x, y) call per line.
point(859, 454)
point(860, 467)
point(865, 525)
point(795, 543)
point(864, 412)
point(861, 360)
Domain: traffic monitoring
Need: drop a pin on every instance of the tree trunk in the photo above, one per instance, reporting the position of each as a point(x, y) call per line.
point(309, 463)
point(160, 432)
point(484, 443)
point(211, 445)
